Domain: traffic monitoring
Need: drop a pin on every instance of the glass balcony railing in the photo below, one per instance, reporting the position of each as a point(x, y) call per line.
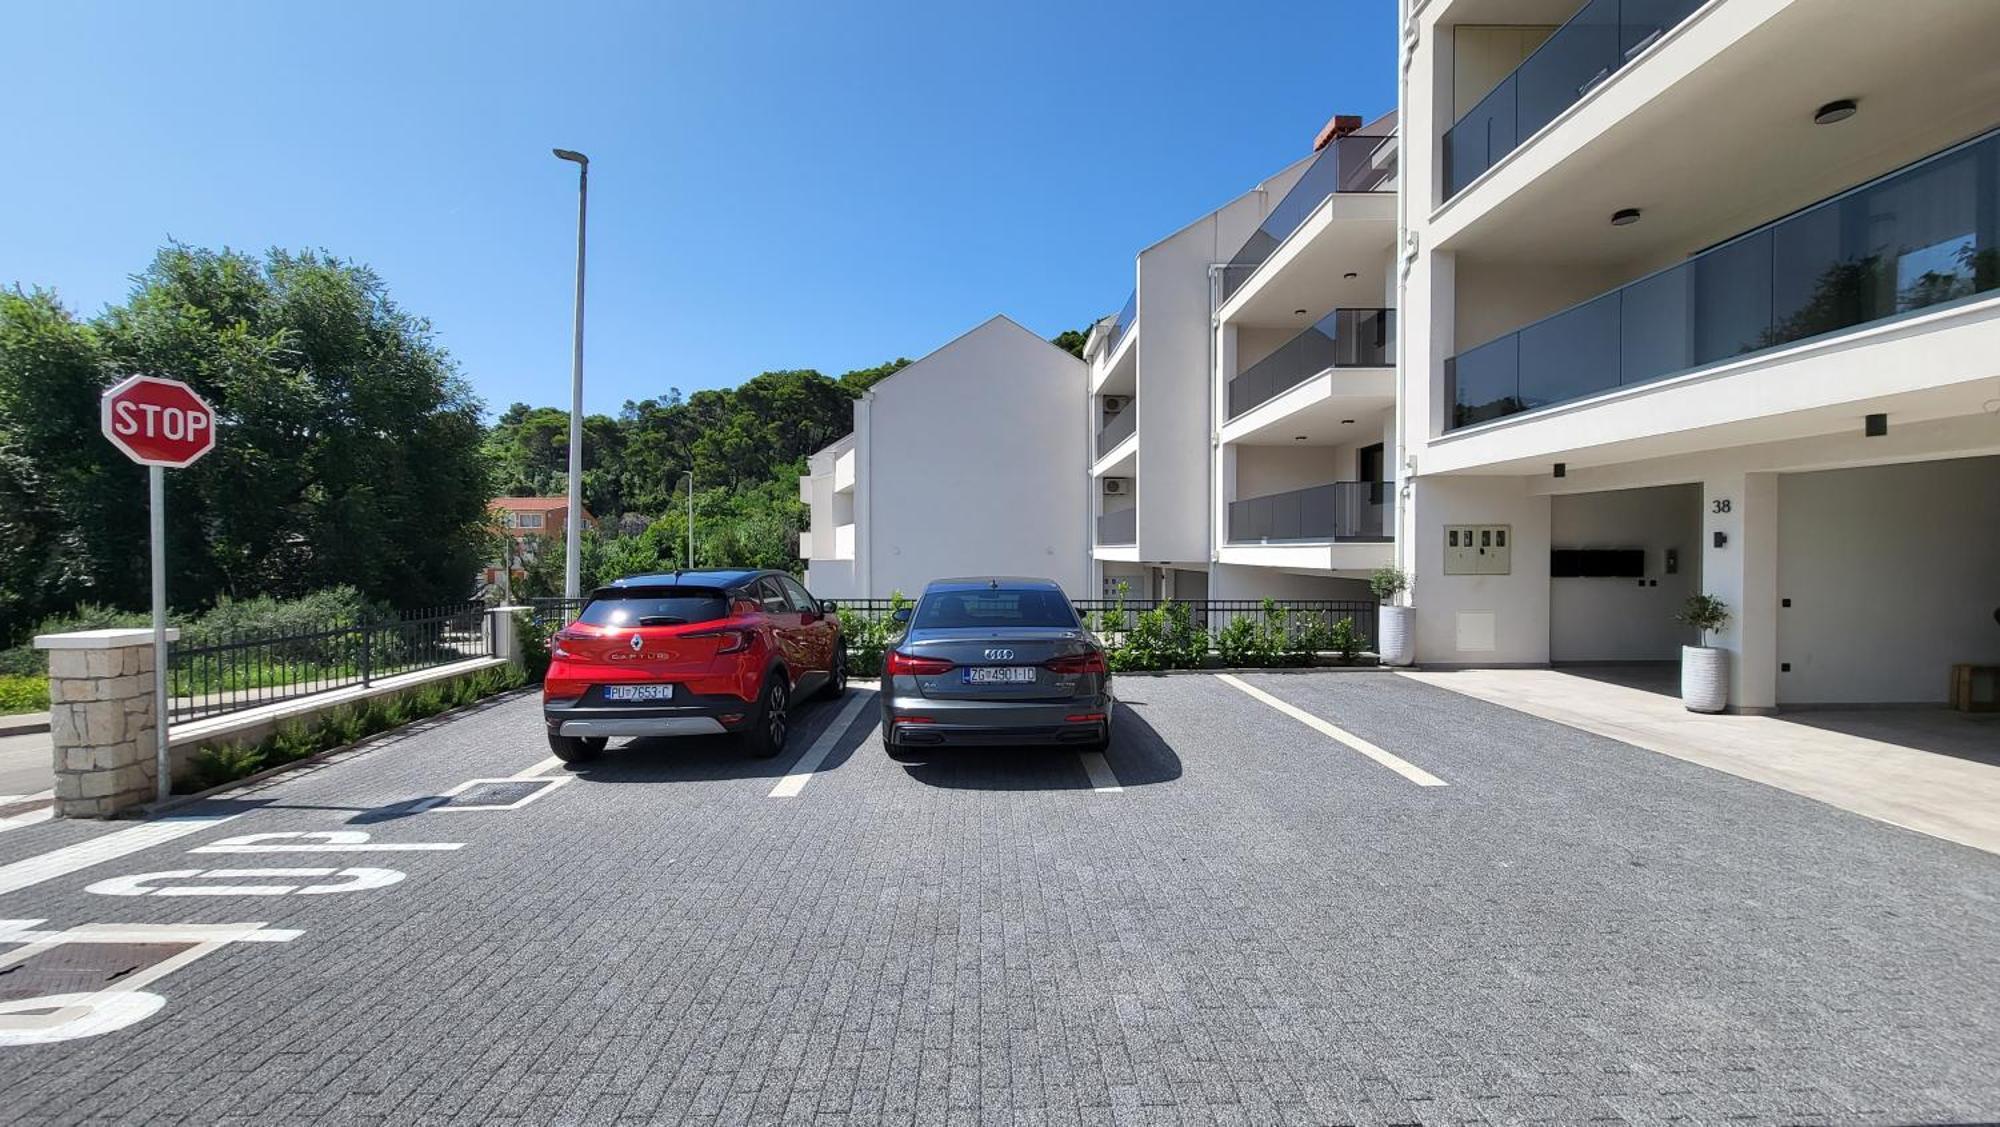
point(1598, 40)
point(1347, 164)
point(1341, 510)
point(1118, 529)
point(1118, 428)
point(1923, 235)
point(1344, 338)
point(1127, 317)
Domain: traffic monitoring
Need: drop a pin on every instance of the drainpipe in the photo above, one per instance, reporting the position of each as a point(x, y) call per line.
point(1405, 485)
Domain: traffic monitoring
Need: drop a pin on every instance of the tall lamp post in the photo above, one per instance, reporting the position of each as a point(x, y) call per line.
point(689, 474)
point(573, 553)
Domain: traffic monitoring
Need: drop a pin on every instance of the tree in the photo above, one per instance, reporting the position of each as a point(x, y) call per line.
point(1071, 341)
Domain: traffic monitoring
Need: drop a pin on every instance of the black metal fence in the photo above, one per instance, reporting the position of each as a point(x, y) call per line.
point(253, 667)
point(554, 613)
point(1115, 617)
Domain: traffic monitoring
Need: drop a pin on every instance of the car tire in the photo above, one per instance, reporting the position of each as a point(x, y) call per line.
point(836, 679)
point(576, 749)
point(771, 724)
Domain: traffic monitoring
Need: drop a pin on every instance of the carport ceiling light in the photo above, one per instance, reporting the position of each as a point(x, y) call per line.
point(1835, 111)
point(1625, 217)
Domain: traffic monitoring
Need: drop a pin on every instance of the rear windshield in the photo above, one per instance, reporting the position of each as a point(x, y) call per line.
point(952, 609)
point(641, 606)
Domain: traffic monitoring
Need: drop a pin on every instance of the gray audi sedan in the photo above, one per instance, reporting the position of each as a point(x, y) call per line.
point(995, 661)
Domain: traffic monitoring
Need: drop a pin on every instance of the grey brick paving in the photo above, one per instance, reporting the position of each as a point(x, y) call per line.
point(1263, 928)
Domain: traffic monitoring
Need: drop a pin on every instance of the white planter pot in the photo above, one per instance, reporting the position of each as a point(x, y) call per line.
point(1704, 678)
point(1396, 635)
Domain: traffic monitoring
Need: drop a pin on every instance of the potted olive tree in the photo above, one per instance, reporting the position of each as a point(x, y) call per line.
point(1396, 626)
point(1704, 668)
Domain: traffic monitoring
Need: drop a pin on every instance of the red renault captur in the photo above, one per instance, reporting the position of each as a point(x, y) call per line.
point(690, 653)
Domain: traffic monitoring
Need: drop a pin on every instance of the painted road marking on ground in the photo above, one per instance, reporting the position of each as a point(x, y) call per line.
point(110, 847)
point(67, 1016)
point(32, 817)
point(160, 883)
point(802, 771)
point(542, 768)
point(1102, 777)
point(1402, 767)
point(327, 841)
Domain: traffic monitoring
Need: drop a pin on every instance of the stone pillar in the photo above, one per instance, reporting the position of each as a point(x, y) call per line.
point(505, 631)
point(101, 720)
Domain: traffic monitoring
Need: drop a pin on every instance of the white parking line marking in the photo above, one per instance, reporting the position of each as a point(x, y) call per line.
point(1102, 778)
point(32, 817)
point(1402, 767)
point(110, 847)
point(158, 884)
point(802, 771)
point(539, 769)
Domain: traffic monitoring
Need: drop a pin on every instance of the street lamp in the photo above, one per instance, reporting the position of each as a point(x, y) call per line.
point(573, 557)
point(689, 474)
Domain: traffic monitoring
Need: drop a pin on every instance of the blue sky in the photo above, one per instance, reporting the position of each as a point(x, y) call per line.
point(773, 185)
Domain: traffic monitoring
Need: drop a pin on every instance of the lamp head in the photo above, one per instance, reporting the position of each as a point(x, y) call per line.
point(572, 155)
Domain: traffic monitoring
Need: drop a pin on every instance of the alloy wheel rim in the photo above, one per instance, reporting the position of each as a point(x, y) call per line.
point(776, 721)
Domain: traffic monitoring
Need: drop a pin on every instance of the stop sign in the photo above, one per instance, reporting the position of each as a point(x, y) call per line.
point(158, 422)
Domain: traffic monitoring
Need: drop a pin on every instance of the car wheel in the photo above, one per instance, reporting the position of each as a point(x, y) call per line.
point(836, 682)
point(575, 749)
point(766, 735)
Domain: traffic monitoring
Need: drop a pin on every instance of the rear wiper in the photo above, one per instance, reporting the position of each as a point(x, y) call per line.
point(661, 620)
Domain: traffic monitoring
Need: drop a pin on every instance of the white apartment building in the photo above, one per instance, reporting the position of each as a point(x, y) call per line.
point(1703, 297)
point(1241, 401)
point(963, 463)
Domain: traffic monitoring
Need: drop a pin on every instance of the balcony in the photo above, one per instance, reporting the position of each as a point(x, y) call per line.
point(1341, 510)
point(843, 541)
point(1922, 236)
point(1117, 429)
point(1345, 338)
point(1596, 42)
point(843, 471)
point(1120, 528)
point(1122, 327)
point(1353, 163)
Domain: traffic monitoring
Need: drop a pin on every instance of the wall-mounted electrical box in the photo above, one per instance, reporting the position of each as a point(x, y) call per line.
point(1478, 549)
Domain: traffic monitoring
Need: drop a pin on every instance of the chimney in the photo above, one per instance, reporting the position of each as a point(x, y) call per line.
point(1340, 125)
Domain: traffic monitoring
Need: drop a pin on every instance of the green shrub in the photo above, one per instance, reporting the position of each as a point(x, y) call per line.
point(214, 766)
point(1237, 642)
point(512, 677)
point(1309, 636)
point(395, 711)
point(427, 701)
point(1388, 582)
point(460, 692)
point(25, 660)
point(28, 692)
point(534, 641)
point(1346, 638)
point(343, 725)
point(290, 743)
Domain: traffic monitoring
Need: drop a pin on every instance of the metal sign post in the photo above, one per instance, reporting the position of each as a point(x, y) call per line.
point(159, 423)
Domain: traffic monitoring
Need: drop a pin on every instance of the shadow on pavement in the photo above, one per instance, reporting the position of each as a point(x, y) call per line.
point(704, 758)
point(1138, 756)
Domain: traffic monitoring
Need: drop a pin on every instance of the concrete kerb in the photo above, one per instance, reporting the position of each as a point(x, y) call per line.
point(401, 731)
point(24, 724)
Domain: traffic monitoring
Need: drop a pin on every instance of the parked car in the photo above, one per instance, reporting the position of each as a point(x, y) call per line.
point(995, 661)
point(690, 653)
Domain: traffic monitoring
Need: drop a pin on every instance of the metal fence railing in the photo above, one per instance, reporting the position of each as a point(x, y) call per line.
point(554, 613)
point(255, 667)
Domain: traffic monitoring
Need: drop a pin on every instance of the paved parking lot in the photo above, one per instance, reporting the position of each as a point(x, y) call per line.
point(1247, 912)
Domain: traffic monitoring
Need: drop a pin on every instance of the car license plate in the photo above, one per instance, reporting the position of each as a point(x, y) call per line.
point(638, 692)
point(999, 674)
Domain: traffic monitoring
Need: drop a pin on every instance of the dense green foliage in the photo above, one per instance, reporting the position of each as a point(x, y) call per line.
point(349, 448)
point(23, 692)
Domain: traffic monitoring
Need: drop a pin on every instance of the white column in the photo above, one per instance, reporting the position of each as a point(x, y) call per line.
point(1742, 571)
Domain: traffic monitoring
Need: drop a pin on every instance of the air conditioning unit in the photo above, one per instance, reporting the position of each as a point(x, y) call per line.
point(1113, 404)
point(1117, 486)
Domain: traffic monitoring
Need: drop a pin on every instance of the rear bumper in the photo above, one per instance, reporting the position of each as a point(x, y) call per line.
point(698, 716)
point(987, 723)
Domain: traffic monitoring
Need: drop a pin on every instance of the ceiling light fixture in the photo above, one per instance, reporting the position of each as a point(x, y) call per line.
point(1347, 422)
point(1298, 312)
point(1835, 111)
point(1350, 274)
point(1625, 217)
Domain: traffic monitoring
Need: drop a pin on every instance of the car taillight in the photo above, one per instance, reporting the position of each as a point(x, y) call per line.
point(556, 647)
point(897, 662)
point(730, 641)
point(1092, 662)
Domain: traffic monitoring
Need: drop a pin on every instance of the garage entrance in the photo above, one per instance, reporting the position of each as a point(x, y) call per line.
point(1621, 563)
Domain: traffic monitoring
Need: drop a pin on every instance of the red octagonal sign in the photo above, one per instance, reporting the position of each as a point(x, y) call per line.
point(158, 422)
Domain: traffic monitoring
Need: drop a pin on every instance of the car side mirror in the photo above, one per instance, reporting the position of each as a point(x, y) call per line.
point(828, 606)
point(902, 615)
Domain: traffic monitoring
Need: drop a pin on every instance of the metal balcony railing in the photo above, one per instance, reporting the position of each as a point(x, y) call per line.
point(1347, 164)
point(1344, 338)
point(1923, 235)
point(1598, 40)
point(1341, 510)
point(1119, 528)
point(1118, 428)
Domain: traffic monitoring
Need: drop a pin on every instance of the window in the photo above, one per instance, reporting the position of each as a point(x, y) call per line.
point(771, 597)
point(531, 521)
point(961, 609)
point(801, 598)
point(654, 606)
